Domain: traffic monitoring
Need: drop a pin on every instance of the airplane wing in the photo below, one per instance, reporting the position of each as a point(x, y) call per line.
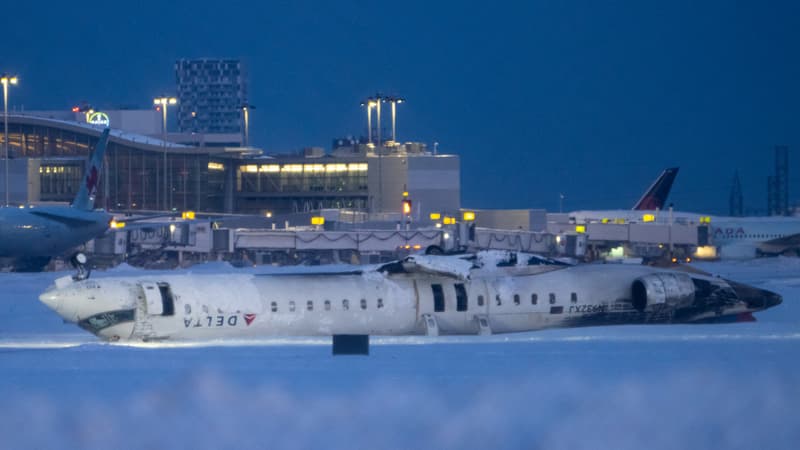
point(450, 266)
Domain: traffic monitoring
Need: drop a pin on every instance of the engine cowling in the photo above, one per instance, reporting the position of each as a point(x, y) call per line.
point(670, 289)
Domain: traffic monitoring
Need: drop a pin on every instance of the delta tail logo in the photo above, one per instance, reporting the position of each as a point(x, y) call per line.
point(249, 318)
point(91, 182)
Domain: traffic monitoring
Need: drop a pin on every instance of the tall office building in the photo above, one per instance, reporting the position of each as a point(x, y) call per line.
point(211, 93)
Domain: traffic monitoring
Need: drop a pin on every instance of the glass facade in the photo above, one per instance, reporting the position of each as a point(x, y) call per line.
point(132, 178)
point(301, 185)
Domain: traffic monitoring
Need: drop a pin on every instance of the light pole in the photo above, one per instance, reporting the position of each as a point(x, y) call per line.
point(246, 111)
point(163, 101)
point(369, 103)
point(6, 80)
point(394, 101)
point(378, 101)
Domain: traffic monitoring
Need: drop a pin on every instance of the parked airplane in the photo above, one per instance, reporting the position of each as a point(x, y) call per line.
point(420, 295)
point(735, 237)
point(32, 235)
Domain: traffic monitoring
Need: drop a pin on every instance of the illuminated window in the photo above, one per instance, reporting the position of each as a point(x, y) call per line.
point(336, 167)
point(270, 168)
point(292, 168)
point(314, 168)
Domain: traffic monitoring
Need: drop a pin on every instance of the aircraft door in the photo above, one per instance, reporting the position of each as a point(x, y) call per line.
point(478, 313)
point(159, 300)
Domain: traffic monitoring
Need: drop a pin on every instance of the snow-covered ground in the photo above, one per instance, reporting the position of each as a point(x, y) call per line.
point(697, 386)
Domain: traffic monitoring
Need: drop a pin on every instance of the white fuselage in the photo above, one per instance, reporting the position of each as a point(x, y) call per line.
point(371, 303)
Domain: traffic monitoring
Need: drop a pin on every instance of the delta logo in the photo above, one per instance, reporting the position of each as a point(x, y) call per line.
point(91, 180)
point(249, 318)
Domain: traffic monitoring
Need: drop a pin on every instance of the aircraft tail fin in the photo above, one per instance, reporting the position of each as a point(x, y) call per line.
point(656, 195)
point(91, 178)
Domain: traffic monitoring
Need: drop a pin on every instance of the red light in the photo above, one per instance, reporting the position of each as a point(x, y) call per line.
point(76, 109)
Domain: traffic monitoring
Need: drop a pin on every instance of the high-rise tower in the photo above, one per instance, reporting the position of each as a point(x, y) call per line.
point(211, 93)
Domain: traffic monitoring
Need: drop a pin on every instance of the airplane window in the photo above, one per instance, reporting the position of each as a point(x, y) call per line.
point(363, 303)
point(552, 298)
point(497, 299)
point(438, 298)
point(380, 303)
point(327, 305)
point(573, 297)
point(345, 304)
point(291, 306)
point(461, 297)
point(516, 299)
point(310, 305)
point(480, 300)
point(534, 299)
point(274, 307)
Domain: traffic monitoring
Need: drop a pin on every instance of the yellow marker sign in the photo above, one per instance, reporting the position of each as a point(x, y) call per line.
point(436, 216)
point(187, 215)
point(469, 216)
point(317, 220)
point(580, 228)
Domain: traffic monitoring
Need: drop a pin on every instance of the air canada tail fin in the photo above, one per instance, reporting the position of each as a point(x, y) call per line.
point(656, 195)
point(88, 190)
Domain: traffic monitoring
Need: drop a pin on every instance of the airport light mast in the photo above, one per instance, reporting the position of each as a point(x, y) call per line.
point(369, 103)
point(394, 101)
point(162, 102)
point(6, 79)
point(246, 115)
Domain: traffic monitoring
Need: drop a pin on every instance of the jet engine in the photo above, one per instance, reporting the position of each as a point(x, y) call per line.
point(669, 289)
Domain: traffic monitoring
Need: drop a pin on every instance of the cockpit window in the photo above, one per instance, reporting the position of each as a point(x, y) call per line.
point(97, 322)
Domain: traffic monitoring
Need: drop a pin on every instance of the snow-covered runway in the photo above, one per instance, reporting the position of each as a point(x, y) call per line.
point(683, 386)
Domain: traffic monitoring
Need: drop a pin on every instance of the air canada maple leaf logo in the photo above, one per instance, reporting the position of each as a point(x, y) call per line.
point(249, 318)
point(91, 180)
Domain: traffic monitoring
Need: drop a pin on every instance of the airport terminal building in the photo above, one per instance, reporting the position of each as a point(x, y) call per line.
point(142, 172)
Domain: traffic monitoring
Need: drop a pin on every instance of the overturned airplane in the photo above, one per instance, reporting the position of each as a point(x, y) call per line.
point(487, 293)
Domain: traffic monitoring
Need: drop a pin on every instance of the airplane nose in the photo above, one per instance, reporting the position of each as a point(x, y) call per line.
point(756, 298)
point(52, 299)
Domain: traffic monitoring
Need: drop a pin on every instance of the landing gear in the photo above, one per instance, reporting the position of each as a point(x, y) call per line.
point(79, 261)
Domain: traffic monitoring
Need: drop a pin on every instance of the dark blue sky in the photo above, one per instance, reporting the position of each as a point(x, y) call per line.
point(591, 98)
